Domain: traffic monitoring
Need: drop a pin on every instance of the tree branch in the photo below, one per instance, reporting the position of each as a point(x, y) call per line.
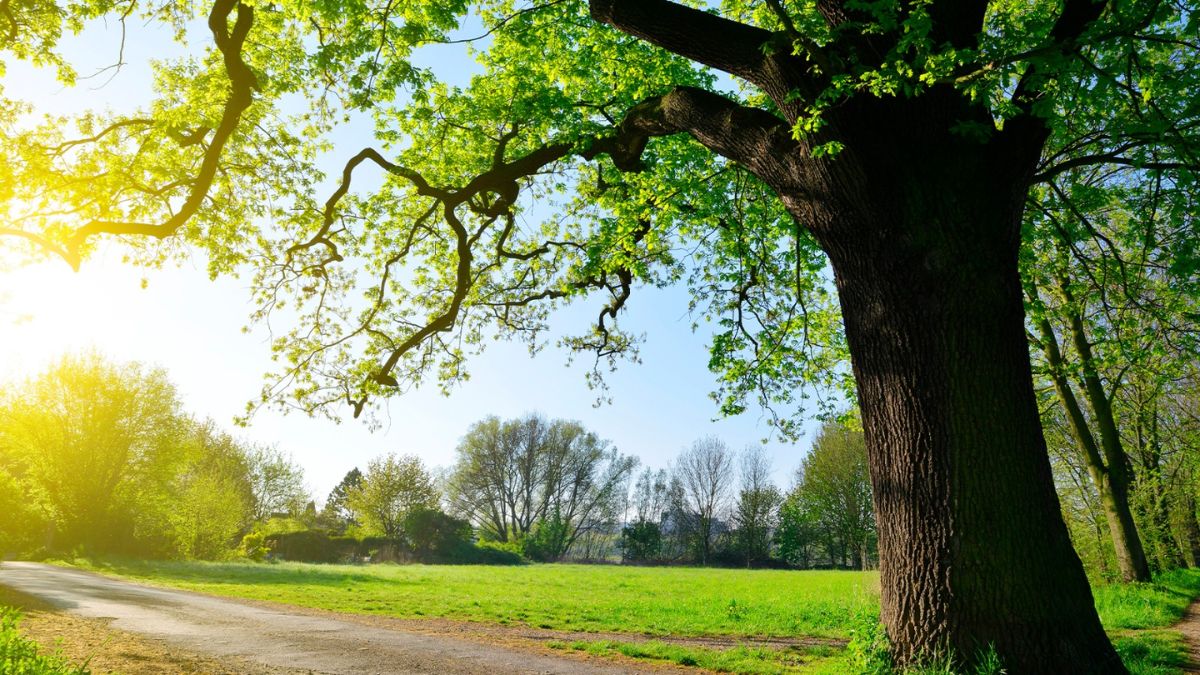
point(751, 53)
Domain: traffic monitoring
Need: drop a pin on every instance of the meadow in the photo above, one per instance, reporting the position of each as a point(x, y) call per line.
point(684, 601)
point(654, 601)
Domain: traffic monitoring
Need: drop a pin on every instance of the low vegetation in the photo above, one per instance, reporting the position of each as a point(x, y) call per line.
point(21, 656)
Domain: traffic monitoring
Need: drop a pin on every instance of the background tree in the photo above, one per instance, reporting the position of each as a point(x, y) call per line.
point(337, 506)
point(434, 536)
point(832, 499)
point(393, 488)
point(212, 494)
point(706, 474)
point(277, 483)
point(756, 511)
point(798, 536)
point(546, 481)
point(99, 444)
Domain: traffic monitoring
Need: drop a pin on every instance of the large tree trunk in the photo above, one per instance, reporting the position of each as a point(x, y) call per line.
point(973, 550)
point(921, 220)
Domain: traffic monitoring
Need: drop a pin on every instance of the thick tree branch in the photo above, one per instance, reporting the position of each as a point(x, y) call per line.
point(1049, 173)
point(753, 54)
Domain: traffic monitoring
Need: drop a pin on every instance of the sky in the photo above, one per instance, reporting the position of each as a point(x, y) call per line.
point(193, 327)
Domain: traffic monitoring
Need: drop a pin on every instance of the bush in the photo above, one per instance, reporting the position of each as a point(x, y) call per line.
point(21, 656)
point(641, 542)
point(314, 546)
point(494, 553)
point(546, 543)
point(254, 546)
point(434, 536)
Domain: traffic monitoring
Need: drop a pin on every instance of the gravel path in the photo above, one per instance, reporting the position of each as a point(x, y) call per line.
point(272, 637)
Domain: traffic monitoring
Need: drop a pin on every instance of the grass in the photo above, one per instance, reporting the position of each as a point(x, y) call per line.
point(1150, 605)
point(20, 656)
point(593, 598)
point(689, 602)
point(747, 660)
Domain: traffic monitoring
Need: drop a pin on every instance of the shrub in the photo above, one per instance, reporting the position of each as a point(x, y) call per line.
point(434, 536)
point(254, 546)
point(315, 546)
point(21, 656)
point(641, 541)
point(495, 553)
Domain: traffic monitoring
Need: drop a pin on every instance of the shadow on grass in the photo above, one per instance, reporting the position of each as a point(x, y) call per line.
point(1152, 652)
point(234, 573)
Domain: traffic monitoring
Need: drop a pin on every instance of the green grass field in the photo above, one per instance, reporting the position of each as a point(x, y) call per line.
point(654, 601)
point(648, 600)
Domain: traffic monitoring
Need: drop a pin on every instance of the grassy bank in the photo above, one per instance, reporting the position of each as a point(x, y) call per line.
point(652, 601)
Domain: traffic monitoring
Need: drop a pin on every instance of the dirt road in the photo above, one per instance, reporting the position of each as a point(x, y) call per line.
point(275, 638)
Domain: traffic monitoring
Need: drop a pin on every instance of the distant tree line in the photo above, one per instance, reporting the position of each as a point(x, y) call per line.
point(715, 506)
point(98, 457)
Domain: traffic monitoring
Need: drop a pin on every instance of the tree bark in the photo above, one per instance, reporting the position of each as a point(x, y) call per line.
point(974, 553)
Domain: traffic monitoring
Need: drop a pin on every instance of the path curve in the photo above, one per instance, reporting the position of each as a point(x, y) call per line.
point(274, 637)
point(1189, 625)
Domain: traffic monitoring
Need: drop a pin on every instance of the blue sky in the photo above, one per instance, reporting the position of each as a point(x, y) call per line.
point(192, 327)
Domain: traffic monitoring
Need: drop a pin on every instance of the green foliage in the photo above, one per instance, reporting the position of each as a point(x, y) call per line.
point(97, 445)
point(829, 518)
point(544, 543)
point(641, 541)
point(21, 523)
point(254, 546)
point(393, 488)
point(20, 656)
point(433, 536)
point(337, 505)
point(867, 652)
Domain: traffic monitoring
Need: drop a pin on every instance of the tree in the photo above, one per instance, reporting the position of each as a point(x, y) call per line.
point(705, 472)
point(832, 499)
point(212, 495)
point(531, 476)
point(757, 508)
point(798, 536)
point(337, 505)
point(393, 488)
point(641, 541)
point(99, 444)
point(434, 536)
point(277, 483)
point(898, 139)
